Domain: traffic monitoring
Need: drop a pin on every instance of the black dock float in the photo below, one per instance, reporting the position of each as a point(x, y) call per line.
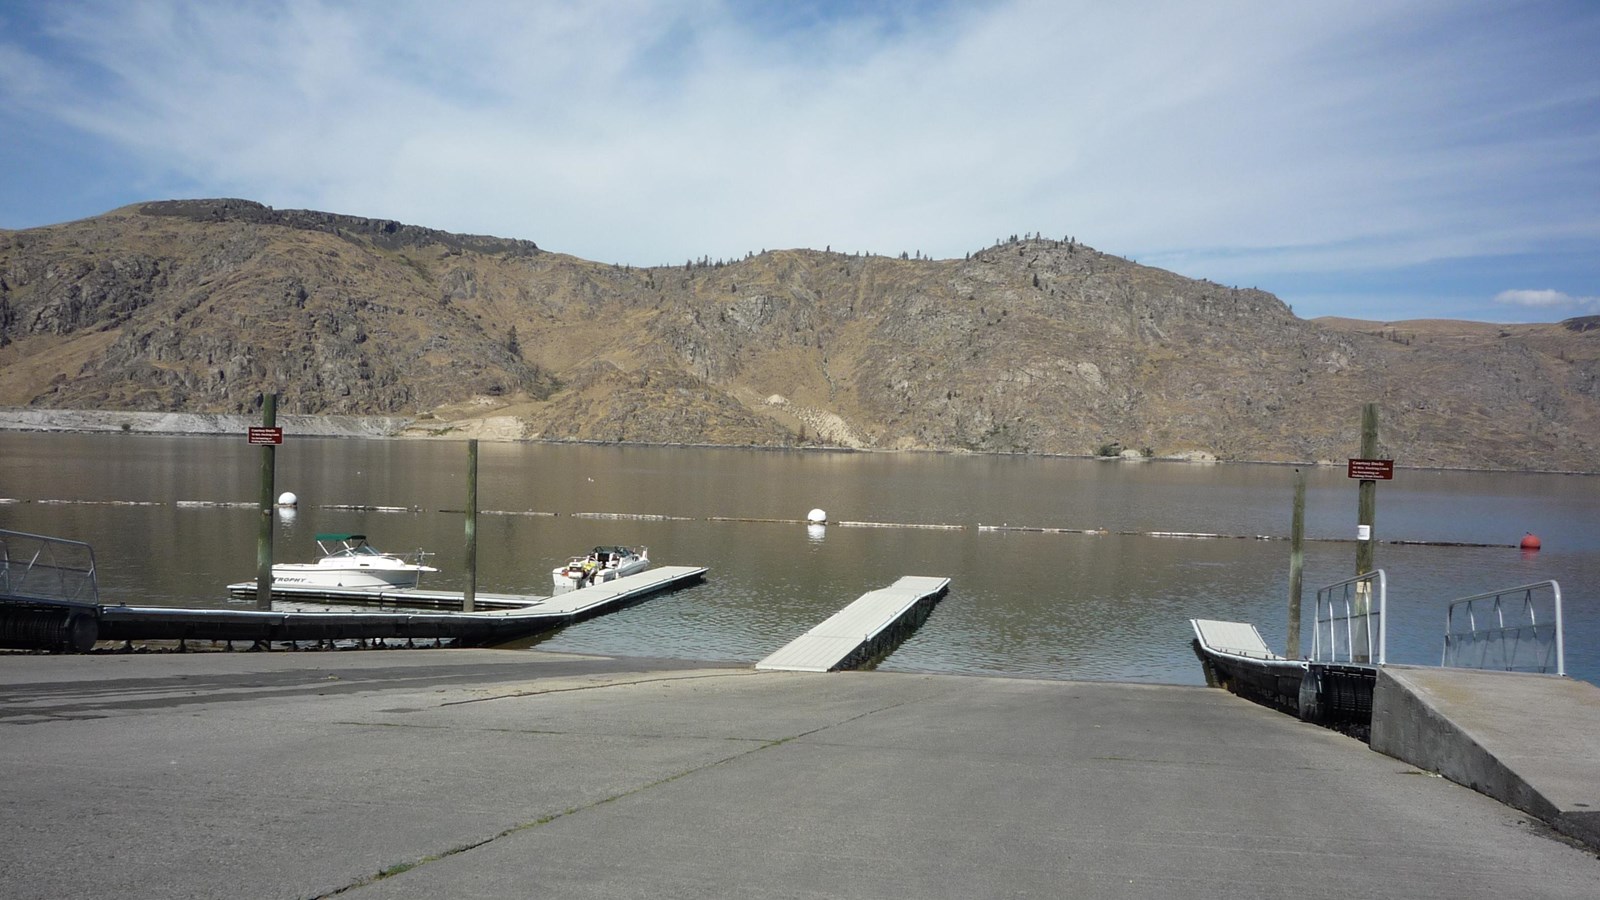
point(28, 624)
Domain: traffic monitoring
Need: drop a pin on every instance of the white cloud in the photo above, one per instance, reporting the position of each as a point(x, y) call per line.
point(1547, 299)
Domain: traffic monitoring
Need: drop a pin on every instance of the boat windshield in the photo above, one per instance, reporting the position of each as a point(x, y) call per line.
point(354, 545)
point(358, 550)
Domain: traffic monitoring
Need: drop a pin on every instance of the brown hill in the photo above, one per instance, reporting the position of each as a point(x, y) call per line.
point(1032, 345)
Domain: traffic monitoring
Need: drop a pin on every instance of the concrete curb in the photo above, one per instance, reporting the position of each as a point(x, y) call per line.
point(1526, 740)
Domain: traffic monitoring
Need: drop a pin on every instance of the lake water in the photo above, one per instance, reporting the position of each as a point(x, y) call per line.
point(1052, 605)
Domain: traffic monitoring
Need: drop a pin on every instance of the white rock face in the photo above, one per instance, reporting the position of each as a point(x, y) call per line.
point(1090, 372)
point(825, 426)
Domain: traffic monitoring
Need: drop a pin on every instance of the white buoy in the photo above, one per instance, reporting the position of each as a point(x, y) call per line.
point(287, 498)
point(816, 517)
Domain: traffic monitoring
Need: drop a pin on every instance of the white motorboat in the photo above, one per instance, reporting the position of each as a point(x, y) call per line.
point(348, 561)
point(602, 564)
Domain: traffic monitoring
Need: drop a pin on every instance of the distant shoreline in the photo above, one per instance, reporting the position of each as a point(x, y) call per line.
point(174, 424)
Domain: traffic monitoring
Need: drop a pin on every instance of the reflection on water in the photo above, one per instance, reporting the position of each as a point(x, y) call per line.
point(1052, 605)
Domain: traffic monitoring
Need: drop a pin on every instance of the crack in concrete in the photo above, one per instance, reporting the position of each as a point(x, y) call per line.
point(403, 867)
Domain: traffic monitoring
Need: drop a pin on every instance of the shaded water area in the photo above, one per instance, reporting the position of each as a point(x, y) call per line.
point(1052, 605)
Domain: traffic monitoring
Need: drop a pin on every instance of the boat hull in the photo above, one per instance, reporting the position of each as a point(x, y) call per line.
point(355, 578)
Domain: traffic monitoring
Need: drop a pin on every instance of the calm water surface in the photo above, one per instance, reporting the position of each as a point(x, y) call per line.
point(1107, 606)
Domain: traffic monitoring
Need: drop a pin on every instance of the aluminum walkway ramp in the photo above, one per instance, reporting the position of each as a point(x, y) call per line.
point(867, 627)
point(1234, 638)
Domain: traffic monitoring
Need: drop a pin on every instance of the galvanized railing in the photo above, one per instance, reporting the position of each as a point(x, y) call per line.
point(36, 567)
point(1350, 621)
point(1514, 630)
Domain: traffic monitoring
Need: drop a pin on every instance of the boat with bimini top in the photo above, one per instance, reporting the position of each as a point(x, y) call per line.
point(348, 561)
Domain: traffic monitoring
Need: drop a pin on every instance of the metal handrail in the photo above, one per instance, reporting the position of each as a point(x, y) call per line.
point(39, 567)
point(1346, 609)
point(1526, 624)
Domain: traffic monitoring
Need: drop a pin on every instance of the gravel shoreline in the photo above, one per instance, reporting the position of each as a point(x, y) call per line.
point(89, 421)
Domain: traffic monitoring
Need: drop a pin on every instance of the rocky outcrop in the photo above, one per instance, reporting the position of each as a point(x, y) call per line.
point(198, 306)
point(384, 233)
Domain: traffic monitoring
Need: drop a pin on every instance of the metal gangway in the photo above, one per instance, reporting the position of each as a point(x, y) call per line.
point(49, 598)
point(1514, 630)
point(1351, 622)
point(52, 570)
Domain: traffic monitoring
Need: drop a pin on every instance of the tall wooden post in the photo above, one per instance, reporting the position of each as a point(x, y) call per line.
point(468, 597)
point(1366, 515)
point(269, 500)
point(1297, 561)
point(1367, 501)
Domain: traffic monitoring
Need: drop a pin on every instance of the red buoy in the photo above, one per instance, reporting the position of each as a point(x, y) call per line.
point(1530, 541)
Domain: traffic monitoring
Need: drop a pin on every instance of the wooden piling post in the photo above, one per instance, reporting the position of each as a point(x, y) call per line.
point(269, 501)
point(1367, 500)
point(472, 526)
point(1297, 560)
point(1366, 518)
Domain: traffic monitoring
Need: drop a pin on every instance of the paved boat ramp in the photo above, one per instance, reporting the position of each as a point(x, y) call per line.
point(510, 774)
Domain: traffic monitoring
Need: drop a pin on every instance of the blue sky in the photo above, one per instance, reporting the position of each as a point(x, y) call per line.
point(1383, 160)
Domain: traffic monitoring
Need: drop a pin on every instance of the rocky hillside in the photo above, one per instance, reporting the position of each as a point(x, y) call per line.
point(1033, 345)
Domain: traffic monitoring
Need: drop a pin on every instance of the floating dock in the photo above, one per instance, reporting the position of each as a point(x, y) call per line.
point(1235, 657)
point(865, 629)
point(490, 626)
point(394, 597)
